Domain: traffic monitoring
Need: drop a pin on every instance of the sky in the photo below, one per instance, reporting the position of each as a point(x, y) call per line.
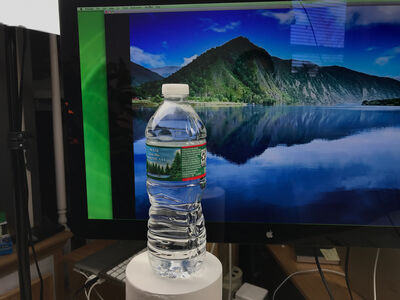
point(363, 38)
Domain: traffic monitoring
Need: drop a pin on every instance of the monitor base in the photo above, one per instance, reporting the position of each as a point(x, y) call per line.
point(307, 255)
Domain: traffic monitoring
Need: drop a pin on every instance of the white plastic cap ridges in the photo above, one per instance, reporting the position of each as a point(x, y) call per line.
point(175, 90)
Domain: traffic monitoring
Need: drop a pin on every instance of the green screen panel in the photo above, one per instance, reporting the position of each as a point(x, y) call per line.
point(95, 114)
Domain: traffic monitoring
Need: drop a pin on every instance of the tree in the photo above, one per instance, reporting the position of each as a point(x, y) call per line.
point(176, 167)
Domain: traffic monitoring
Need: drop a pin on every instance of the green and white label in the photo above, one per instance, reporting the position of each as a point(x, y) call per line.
point(176, 163)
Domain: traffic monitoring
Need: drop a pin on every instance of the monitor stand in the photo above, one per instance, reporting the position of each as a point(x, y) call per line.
point(142, 283)
point(306, 254)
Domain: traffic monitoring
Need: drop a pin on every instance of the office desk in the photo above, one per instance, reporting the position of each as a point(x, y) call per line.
point(310, 285)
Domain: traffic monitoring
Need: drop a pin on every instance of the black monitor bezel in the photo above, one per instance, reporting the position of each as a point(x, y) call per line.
point(300, 234)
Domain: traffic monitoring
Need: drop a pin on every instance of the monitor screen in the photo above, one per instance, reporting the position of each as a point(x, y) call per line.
point(300, 101)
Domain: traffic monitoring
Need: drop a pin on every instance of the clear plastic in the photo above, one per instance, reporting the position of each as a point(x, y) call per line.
point(176, 232)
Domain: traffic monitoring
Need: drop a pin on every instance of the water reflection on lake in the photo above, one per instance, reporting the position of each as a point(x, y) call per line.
point(334, 165)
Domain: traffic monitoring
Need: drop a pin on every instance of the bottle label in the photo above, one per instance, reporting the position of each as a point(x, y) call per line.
point(5, 245)
point(176, 163)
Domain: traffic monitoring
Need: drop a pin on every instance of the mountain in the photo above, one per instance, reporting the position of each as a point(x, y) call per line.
point(140, 75)
point(165, 71)
point(312, 84)
point(240, 71)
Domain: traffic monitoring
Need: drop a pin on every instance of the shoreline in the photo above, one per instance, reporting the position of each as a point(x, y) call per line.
point(216, 103)
point(149, 103)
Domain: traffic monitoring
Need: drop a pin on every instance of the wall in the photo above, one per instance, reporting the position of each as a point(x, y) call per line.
point(388, 273)
point(40, 15)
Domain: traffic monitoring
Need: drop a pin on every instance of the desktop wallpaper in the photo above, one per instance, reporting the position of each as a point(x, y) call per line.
point(300, 105)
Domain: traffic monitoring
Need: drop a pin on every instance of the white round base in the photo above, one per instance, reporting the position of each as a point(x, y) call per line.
point(144, 284)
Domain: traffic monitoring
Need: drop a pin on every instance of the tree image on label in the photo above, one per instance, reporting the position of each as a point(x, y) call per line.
point(158, 169)
point(176, 168)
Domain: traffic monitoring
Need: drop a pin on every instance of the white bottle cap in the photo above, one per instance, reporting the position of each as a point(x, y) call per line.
point(175, 90)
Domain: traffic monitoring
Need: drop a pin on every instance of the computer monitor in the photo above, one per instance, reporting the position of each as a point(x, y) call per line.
point(299, 100)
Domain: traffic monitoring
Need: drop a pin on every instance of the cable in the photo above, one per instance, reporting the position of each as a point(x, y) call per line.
point(36, 260)
point(375, 267)
point(309, 21)
point(230, 271)
point(98, 294)
point(312, 29)
point(81, 288)
point(323, 277)
point(90, 281)
point(346, 272)
point(92, 287)
point(82, 273)
point(303, 272)
point(34, 251)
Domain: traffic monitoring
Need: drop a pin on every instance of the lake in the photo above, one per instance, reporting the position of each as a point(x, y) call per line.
point(293, 164)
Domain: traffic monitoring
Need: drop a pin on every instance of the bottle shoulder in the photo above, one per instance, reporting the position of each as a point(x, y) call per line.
point(175, 121)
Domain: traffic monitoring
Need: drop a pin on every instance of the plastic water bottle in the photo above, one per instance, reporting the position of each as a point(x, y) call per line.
point(176, 177)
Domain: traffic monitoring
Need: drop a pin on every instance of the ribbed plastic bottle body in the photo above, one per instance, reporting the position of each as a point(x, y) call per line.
point(176, 231)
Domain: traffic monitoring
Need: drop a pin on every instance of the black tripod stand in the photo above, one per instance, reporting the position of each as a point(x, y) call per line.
point(14, 50)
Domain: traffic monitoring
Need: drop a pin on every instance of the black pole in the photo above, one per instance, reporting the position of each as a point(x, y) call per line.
point(17, 143)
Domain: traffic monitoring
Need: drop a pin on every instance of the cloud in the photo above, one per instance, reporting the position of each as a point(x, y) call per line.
point(206, 20)
point(388, 55)
point(327, 152)
point(164, 44)
point(220, 29)
point(141, 57)
point(188, 60)
point(371, 49)
point(383, 60)
point(396, 50)
point(367, 15)
point(283, 18)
